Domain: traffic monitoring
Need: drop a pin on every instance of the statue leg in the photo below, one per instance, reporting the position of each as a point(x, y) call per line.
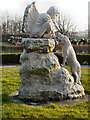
point(79, 74)
point(39, 31)
point(75, 75)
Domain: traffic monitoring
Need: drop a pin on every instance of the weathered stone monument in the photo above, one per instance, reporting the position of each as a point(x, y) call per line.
point(42, 77)
point(36, 24)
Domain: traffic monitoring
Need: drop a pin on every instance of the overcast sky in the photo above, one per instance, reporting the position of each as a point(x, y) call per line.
point(75, 9)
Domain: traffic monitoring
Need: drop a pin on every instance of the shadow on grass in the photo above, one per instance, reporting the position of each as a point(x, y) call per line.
point(6, 99)
point(87, 92)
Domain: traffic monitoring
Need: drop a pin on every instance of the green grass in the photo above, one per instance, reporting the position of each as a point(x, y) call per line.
point(79, 38)
point(5, 43)
point(11, 82)
point(16, 53)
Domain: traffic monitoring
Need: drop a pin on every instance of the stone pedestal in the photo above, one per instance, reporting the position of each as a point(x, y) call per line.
point(42, 77)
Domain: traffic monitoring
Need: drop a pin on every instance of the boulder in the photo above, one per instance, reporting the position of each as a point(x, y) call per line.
point(42, 77)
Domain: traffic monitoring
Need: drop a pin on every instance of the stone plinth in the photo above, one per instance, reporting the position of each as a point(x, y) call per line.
point(42, 77)
point(39, 45)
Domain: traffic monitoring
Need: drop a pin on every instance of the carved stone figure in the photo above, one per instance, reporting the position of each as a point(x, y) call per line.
point(37, 24)
point(42, 77)
point(69, 56)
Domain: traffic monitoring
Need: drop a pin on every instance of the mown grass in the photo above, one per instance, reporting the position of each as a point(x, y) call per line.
point(79, 38)
point(11, 82)
point(5, 43)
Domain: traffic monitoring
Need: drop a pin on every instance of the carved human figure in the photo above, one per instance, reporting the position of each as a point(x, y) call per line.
point(69, 56)
point(37, 24)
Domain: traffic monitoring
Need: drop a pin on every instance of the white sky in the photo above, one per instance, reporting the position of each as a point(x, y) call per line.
point(76, 9)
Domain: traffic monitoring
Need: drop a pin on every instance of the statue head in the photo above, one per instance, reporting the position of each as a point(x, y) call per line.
point(53, 12)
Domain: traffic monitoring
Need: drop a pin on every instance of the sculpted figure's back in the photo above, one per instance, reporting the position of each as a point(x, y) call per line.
point(37, 24)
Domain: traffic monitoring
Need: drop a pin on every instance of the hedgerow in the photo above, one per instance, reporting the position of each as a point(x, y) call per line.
point(13, 58)
point(82, 58)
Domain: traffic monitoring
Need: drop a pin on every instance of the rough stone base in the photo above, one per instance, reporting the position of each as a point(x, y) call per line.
point(15, 97)
point(42, 77)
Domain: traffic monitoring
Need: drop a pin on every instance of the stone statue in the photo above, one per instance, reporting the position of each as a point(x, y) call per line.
point(42, 77)
point(69, 55)
point(37, 24)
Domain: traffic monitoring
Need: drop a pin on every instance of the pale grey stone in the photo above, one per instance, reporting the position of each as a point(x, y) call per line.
point(39, 63)
point(46, 86)
point(42, 77)
point(38, 44)
point(37, 24)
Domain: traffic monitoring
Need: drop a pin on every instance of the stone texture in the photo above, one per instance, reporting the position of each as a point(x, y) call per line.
point(39, 45)
point(42, 77)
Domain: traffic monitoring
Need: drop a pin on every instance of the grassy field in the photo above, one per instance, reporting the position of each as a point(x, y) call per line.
point(5, 43)
point(11, 82)
point(79, 38)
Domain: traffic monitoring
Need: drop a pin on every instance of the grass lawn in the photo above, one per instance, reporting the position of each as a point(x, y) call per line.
point(79, 38)
point(5, 43)
point(11, 82)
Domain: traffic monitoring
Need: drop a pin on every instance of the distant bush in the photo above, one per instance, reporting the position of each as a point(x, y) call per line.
point(11, 49)
point(82, 58)
point(5, 37)
point(13, 58)
point(82, 48)
point(78, 48)
point(9, 59)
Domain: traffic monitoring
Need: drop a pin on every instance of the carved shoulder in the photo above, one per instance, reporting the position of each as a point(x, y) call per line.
point(45, 17)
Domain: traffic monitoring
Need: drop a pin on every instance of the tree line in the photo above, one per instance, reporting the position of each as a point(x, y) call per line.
point(13, 25)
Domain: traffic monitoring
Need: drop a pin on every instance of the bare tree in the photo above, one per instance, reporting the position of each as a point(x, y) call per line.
point(11, 25)
point(19, 25)
point(4, 28)
point(8, 23)
point(2, 17)
point(64, 25)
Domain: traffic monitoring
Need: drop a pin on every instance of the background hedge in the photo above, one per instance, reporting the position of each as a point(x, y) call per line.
point(5, 37)
point(78, 48)
point(10, 59)
point(11, 49)
point(13, 58)
point(82, 58)
point(14, 49)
